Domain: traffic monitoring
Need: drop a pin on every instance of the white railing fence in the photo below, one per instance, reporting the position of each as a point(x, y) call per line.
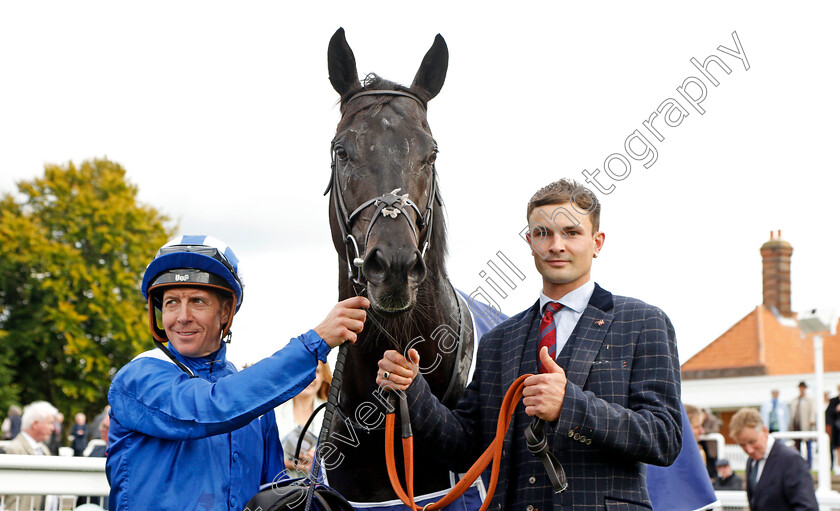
point(65, 478)
point(70, 477)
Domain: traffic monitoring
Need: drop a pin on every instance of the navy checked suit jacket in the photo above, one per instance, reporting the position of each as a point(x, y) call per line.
point(621, 408)
point(785, 483)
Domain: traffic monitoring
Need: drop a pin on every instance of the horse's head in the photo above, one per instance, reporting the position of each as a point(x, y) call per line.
point(383, 182)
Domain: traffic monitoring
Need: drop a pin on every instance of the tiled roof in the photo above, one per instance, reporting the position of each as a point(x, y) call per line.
point(761, 343)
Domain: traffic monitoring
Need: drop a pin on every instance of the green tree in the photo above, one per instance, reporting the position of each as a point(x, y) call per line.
point(74, 246)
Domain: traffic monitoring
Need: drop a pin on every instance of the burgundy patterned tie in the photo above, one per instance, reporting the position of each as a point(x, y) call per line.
point(548, 333)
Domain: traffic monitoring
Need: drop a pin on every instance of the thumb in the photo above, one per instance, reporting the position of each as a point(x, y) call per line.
point(414, 359)
point(549, 363)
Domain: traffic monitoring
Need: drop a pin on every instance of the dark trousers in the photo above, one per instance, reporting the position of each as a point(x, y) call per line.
point(797, 445)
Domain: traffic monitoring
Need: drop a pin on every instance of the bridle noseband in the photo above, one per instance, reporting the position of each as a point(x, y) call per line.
point(391, 205)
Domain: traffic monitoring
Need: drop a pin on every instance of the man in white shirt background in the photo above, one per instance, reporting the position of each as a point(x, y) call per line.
point(775, 413)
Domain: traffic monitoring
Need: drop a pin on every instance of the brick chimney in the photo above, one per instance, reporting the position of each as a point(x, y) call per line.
point(775, 264)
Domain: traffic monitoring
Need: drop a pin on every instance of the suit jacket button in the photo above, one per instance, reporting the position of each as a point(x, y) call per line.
point(577, 436)
point(588, 441)
point(582, 439)
point(529, 508)
point(571, 433)
point(532, 479)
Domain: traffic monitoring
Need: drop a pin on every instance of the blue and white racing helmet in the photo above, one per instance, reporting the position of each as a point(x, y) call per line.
point(191, 261)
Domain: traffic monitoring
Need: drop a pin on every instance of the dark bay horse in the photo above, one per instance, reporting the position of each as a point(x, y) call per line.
point(390, 235)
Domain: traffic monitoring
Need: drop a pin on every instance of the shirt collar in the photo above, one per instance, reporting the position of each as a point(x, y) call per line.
point(576, 300)
point(770, 441)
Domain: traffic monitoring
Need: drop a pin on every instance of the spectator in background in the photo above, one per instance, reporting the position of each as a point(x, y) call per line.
point(98, 447)
point(54, 442)
point(292, 416)
point(94, 424)
point(803, 417)
point(832, 422)
point(774, 413)
point(696, 416)
point(79, 436)
point(710, 447)
point(778, 479)
point(11, 424)
point(726, 479)
point(37, 423)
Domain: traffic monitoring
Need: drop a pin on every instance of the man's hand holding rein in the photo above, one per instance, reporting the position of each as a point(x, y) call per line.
point(397, 372)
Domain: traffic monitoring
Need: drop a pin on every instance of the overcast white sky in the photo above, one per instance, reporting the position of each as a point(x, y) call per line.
point(222, 115)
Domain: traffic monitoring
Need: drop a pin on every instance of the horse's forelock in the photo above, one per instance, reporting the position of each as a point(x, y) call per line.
point(373, 81)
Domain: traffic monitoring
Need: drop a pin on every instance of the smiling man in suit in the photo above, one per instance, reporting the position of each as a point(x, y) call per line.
point(606, 377)
point(778, 478)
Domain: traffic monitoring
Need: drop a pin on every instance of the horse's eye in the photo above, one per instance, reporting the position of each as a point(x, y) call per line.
point(432, 157)
point(340, 152)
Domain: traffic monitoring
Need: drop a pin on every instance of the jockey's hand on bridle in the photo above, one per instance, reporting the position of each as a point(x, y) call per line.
point(397, 372)
point(344, 322)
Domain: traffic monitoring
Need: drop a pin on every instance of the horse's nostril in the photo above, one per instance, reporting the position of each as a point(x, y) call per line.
point(396, 266)
point(375, 266)
point(417, 270)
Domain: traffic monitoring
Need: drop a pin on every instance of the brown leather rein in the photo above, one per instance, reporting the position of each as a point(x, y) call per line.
point(493, 453)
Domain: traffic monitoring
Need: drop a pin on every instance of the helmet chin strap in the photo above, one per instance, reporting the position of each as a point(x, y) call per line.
point(227, 333)
point(174, 360)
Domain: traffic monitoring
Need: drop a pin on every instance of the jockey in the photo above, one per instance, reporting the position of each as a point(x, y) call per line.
point(187, 429)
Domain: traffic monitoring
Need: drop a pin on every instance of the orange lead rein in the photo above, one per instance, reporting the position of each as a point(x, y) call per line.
point(492, 453)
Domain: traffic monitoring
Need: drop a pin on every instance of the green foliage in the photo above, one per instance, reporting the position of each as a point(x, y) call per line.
point(74, 246)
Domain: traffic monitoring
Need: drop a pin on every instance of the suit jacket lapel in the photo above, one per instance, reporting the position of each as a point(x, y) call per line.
point(513, 347)
point(589, 335)
point(766, 469)
point(24, 444)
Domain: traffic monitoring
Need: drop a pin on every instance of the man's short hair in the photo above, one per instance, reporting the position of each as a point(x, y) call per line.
point(38, 411)
point(743, 419)
point(568, 190)
point(723, 462)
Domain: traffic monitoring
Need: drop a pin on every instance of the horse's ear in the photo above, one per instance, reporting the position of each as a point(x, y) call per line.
point(342, 64)
point(432, 72)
